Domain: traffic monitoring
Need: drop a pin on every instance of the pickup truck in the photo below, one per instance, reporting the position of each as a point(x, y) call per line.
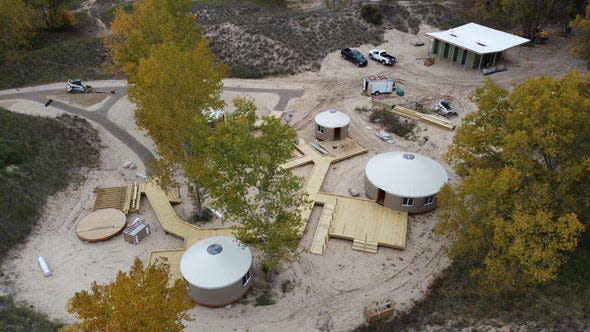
point(382, 56)
point(354, 56)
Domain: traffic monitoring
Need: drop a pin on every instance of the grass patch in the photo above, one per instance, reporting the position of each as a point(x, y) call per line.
point(74, 58)
point(453, 303)
point(40, 157)
point(20, 319)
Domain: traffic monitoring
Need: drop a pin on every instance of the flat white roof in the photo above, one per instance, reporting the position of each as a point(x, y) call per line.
point(215, 262)
point(478, 38)
point(406, 174)
point(332, 119)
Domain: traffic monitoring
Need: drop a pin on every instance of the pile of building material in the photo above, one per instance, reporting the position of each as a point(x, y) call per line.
point(389, 105)
point(136, 231)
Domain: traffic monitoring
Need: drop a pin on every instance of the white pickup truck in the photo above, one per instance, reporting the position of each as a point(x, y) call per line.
point(382, 56)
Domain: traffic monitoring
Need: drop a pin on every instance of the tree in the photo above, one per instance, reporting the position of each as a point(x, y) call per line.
point(19, 24)
point(141, 300)
point(582, 45)
point(173, 88)
point(524, 160)
point(245, 180)
point(54, 13)
point(151, 22)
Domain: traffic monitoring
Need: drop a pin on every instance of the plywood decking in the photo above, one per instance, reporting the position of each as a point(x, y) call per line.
point(125, 199)
point(101, 225)
point(364, 220)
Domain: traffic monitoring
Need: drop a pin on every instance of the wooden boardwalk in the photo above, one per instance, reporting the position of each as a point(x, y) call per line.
point(172, 224)
point(363, 221)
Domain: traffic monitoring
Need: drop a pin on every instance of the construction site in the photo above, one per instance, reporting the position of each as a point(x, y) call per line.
point(359, 258)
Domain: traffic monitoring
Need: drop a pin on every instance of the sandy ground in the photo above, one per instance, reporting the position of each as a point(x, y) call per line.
point(331, 290)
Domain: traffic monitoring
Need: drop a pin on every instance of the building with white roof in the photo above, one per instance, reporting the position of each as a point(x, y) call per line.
point(218, 270)
point(332, 125)
point(404, 181)
point(472, 45)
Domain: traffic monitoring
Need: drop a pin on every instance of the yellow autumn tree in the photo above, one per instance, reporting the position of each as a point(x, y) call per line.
point(174, 87)
point(143, 299)
point(524, 160)
point(20, 23)
point(149, 23)
point(581, 24)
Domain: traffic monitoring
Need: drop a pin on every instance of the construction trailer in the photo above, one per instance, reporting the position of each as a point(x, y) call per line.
point(378, 84)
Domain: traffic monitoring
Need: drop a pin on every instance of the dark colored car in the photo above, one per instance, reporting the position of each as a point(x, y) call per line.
point(354, 56)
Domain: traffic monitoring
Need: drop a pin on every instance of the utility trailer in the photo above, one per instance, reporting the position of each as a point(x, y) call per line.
point(375, 85)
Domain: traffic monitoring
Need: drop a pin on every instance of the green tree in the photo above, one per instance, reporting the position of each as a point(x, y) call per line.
point(151, 22)
point(244, 177)
point(173, 88)
point(582, 26)
point(524, 160)
point(143, 299)
point(20, 24)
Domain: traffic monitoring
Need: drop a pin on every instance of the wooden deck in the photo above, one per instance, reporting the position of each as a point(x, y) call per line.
point(363, 220)
point(125, 199)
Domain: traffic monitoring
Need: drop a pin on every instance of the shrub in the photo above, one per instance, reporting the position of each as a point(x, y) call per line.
point(392, 123)
point(266, 298)
point(372, 14)
point(303, 22)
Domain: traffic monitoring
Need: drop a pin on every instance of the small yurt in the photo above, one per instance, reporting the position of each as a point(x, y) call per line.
point(404, 181)
point(218, 270)
point(332, 125)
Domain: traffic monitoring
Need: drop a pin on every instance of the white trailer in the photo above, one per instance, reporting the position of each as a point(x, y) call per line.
point(375, 85)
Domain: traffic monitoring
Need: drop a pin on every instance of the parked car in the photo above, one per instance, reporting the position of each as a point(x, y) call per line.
point(443, 107)
point(382, 56)
point(354, 56)
point(76, 85)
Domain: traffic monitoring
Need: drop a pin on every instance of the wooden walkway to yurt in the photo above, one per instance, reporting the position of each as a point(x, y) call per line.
point(171, 223)
point(363, 221)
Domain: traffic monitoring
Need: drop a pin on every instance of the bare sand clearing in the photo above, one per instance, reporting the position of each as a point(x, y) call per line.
point(330, 290)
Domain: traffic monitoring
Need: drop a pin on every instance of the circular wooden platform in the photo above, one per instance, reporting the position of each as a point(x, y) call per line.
point(101, 225)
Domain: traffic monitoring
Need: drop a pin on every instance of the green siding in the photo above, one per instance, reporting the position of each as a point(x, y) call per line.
point(469, 60)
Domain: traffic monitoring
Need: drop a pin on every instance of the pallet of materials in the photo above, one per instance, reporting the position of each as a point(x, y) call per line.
point(136, 232)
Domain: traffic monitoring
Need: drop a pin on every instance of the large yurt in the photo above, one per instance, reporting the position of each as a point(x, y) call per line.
point(404, 181)
point(332, 125)
point(218, 270)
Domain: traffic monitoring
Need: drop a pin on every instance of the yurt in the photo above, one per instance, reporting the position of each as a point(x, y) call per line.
point(218, 270)
point(404, 181)
point(332, 125)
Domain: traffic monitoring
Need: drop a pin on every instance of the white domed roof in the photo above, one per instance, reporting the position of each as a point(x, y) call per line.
point(215, 262)
point(406, 174)
point(332, 119)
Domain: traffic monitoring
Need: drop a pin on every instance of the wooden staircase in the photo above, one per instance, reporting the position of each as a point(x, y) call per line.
point(364, 245)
